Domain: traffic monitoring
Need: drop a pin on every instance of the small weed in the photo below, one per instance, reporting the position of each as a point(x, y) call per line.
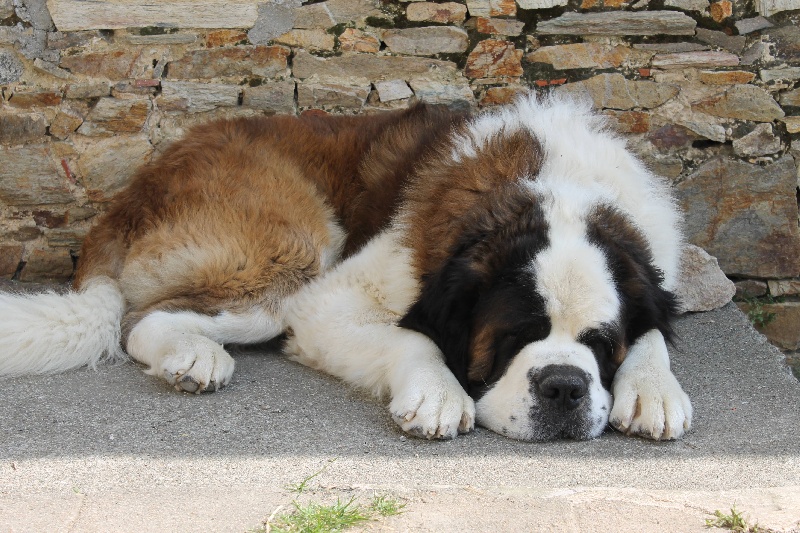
point(756, 313)
point(733, 522)
point(299, 488)
point(386, 506)
point(313, 517)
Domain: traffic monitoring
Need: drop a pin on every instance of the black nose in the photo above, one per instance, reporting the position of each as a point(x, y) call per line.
point(562, 387)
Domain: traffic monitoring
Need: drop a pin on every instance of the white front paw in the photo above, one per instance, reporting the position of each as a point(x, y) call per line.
point(651, 405)
point(433, 407)
point(194, 363)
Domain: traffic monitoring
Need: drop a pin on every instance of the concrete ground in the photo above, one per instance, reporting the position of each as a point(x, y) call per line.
point(115, 450)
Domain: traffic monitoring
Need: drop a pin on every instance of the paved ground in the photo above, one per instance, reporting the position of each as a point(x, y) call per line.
point(115, 450)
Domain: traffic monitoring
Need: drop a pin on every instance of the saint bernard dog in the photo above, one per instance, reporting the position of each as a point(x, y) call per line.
point(511, 269)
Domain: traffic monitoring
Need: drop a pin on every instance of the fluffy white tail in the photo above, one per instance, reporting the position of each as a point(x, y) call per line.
point(49, 332)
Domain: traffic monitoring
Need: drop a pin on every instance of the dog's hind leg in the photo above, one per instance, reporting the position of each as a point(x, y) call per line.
point(186, 348)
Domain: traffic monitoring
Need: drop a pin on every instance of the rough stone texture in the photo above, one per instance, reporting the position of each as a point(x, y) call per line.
point(312, 39)
point(721, 10)
point(47, 266)
point(540, 4)
point(702, 286)
point(332, 96)
point(695, 60)
point(274, 19)
point(264, 61)
point(92, 89)
point(276, 97)
point(745, 215)
point(770, 7)
point(730, 77)
point(313, 16)
point(106, 164)
point(785, 74)
point(792, 124)
point(745, 102)
point(786, 43)
point(493, 58)
point(750, 25)
point(437, 92)
point(6, 9)
point(498, 26)
point(113, 65)
point(688, 5)
point(732, 43)
point(113, 115)
point(22, 128)
point(368, 68)
point(31, 175)
point(29, 99)
point(197, 97)
point(784, 329)
point(426, 41)
point(10, 67)
point(761, 141)
point(65, 123)
point(353, 40)
point(391, 90)
point(444, 13)
point(784, 287)
point(10, 256)
point(620, 23)
point(589, 55)
point(750, 288)
point(614, 91)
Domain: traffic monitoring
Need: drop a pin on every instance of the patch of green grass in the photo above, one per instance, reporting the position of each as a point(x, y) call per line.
point(313, 517)
point(734, 521)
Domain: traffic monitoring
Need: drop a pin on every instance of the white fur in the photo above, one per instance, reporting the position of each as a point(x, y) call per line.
point(49, 332)
point(345, 324)
point(185, 348)
point(506, 408)
point(580, 150)
point(648, 400)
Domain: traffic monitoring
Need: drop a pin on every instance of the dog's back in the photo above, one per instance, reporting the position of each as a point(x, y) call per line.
point(236, 216)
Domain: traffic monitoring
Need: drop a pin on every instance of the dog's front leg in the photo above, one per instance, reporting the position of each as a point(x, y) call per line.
point(648, 400)
point(345, 324)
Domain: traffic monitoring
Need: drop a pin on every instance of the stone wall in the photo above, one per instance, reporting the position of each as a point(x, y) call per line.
point(707, 93)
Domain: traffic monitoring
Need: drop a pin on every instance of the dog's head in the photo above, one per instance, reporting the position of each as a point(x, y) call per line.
point(536, 306)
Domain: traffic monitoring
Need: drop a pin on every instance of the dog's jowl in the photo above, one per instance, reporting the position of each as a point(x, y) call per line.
point(511, 269)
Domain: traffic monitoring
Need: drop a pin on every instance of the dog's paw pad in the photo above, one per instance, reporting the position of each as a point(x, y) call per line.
point(436, 411)
point(654, 409)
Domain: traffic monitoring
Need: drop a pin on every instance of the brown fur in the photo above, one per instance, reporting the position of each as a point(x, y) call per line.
point(445, 192)
point(239, 212)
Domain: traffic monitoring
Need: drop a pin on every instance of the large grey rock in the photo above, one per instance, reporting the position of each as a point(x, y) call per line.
point(21, 128)
point(589, 55)
point(359, 69)
point(782, 74)
point(276, 97)
point(274, 19)
point(750, 25)
point(391, 90)
point(702, 286)
point(702, 59)
point(614, 91)
point(197, 97)
point(745, 215)
point(619, 23)
point(426, 41)
point(11, 68)
point(32, 175)
point(732, 43)
point(744, 102)
point(260, 60)
point(761, 141)
point(332, 96)
point(436, 92)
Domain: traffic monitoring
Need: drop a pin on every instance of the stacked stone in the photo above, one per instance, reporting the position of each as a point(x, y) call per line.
point(707, 92)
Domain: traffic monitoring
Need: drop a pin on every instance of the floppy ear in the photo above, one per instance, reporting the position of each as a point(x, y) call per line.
point(443, 312)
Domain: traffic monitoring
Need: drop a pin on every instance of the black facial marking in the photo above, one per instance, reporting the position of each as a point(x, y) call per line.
point(485, 270)
point(645, 305)
point(604, 342)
